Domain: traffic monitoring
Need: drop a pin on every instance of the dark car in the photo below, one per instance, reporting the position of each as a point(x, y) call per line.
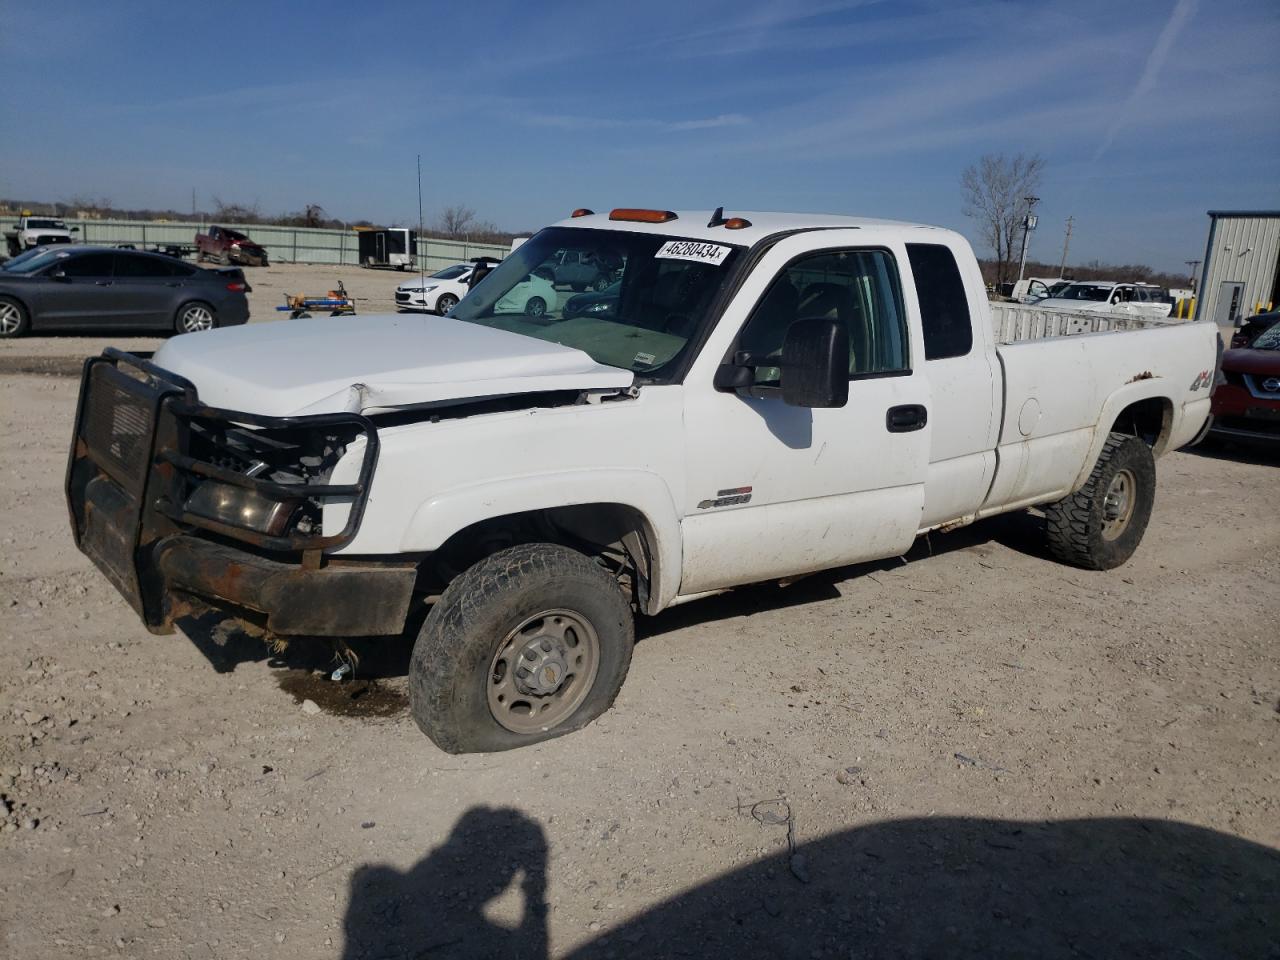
point(1251, 328)
point(579, 269)
point(1246, 404)
point(602, 304)
point(64, 288)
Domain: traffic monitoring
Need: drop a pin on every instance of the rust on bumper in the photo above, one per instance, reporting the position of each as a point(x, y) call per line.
point(364, 598)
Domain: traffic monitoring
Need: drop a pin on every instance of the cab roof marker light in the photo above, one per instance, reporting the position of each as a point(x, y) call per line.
point(582, 212)
point(636, 215)
point(736, 223)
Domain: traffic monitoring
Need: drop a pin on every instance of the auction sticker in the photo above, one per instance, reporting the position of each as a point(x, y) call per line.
point(693, 250)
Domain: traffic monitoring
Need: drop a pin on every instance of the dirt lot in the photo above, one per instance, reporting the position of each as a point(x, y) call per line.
point(975, 752)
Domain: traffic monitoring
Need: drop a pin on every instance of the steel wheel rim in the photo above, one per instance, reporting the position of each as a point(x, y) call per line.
point(542, 671)
point(1118, 503)
point(195, 319)
point(10, 318)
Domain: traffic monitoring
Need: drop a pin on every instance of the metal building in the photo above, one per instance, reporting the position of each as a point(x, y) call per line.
point(1241, 272)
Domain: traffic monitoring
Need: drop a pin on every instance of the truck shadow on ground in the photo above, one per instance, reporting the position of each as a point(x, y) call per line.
point(1258, 455)
point(379, 658)
point(1020, 532)
point(935, 887)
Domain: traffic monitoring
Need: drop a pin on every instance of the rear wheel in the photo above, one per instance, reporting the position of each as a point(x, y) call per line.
point(529, 644)
point(600, 283)
point(1101, 525)
point(14, 319)
point(194, 317)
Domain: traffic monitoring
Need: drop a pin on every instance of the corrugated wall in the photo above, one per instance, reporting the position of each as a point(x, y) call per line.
point(1241, 250)
point(284, 244)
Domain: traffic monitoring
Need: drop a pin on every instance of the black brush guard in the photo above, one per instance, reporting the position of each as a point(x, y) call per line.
point(128, 478)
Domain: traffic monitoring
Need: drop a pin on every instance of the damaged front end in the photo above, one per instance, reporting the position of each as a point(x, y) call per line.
point(184, 506)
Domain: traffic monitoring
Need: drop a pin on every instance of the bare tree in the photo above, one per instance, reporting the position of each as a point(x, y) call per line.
point(235, 212)
point(994, 189)
point(455, 222)
point(313, 214)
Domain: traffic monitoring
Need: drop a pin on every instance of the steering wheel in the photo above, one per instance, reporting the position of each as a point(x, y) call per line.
point(679, 324)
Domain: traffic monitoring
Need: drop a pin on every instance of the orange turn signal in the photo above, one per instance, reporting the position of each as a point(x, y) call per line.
point(582, 212)
point(642, 216)
point(736, 223)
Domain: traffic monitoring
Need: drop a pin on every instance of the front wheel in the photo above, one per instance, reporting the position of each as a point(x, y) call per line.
point(536, 307)
point(529, 644)
point(446, 303)
point(1101, 525)
point(194, 317)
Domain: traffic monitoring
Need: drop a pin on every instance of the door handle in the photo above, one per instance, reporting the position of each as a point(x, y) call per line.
point(904, 419)
point(102, 283)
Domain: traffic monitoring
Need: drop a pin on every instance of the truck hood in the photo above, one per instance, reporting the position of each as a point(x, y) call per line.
point(370, 364)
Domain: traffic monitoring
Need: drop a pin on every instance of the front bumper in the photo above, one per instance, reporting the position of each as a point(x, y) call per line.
point(1241, 414)
point(129, 478)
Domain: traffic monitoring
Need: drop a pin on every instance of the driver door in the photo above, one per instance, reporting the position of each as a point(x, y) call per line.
point(776, 490)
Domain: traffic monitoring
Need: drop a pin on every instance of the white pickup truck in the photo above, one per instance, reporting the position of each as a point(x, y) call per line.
point(771, 395)
point(31, 231)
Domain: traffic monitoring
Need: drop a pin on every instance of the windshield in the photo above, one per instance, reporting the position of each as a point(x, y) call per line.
point(33, 260)
point(46, 225)
point(451, 273)
point(1084, 291)
point(1268, 340)
point(664, 287)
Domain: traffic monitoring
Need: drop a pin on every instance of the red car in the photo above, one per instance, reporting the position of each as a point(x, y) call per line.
point(1246, 405)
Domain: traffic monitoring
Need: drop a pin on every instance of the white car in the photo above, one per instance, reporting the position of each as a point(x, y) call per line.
point(438, 293)
point(1099, 296)
point(533, 296)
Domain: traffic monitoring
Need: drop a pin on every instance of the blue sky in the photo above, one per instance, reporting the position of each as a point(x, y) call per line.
point(1148, 113)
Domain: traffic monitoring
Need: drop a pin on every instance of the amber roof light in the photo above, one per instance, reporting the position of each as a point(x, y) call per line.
point(582, 212)
point(642, 216)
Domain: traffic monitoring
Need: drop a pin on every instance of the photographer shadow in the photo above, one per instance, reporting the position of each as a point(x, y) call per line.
point(437, 908)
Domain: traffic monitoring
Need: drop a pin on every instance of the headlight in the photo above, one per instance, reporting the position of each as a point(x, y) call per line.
point(241, 507)
point(598, 308)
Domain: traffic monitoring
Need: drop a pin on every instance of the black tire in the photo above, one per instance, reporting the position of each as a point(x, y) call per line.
point(454, 658)
point(15, 320)
point(445, 303)
point(1100, 526)
point(535, 307)
point(600, 284)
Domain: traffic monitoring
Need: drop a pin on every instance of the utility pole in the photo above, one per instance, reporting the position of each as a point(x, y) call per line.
point(1192, 265)
point(1028, 224)
point(1065, 244)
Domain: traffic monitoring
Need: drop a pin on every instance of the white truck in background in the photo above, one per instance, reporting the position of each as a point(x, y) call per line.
point(37, 231)
point(772, 395)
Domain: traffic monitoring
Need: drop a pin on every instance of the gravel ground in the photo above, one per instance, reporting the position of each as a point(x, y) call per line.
point(975, 752)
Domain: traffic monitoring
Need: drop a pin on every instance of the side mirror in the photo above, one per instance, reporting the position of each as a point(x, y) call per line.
point(815, 364)
point(75, 229)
